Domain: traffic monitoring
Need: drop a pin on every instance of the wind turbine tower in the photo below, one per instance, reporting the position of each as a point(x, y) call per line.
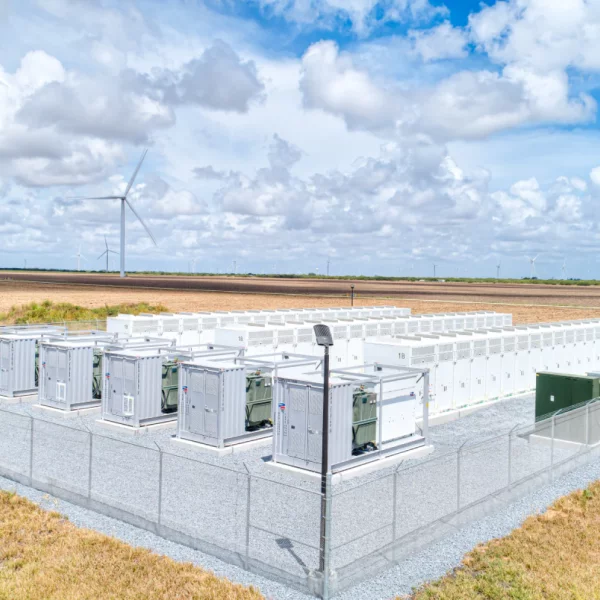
point(125, 201)
point(79, 256)
point(498, 271)
point(564, 269)
point(532, 265)
point(106, 253)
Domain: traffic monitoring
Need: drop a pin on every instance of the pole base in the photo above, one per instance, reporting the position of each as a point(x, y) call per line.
point(316, 584)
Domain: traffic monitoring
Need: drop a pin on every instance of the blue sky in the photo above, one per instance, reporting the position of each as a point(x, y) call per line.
point(383, 135)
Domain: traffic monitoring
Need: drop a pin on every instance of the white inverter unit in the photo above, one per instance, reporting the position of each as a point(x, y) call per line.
point(19, 358)
point(363, 426)
point(227, 402)
point(140, 386)
point(70, 373)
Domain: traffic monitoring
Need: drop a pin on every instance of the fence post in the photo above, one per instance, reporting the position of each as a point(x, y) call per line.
point(458, 462)
point(587, 425)
point(510, 459)
point(160, 482)
point(31, 452)
point(552, 449)
point(394, 515)
point(510, 434)
point(90, 466)
point(248, 505)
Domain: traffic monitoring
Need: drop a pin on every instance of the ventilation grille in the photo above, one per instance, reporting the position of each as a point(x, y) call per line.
point(495, 346)
point(509, 344)
point(446, 352)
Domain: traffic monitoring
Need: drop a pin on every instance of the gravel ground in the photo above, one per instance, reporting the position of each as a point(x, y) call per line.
point(423, 566)
point(207, 496)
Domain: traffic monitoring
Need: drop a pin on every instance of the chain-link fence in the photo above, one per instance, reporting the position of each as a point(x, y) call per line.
point(423, 501)
point(272, 527)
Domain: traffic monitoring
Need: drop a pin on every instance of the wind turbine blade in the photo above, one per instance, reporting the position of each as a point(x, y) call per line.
point(113, 252)
point(135, 173)
point(93, 197)
point(105, 243)
point(101, 255)
point(141, 221)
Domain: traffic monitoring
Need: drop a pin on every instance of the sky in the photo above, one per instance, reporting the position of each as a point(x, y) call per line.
point(379, 137)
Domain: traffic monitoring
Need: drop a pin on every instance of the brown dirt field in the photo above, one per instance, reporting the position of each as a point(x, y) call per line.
point(18, 293)
point(511, 293)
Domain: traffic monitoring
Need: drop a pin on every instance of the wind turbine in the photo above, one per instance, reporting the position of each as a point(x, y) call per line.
point(106, 252)
point(124, 200)
point(498, 270)
point(79, 256)
point(532, 263)
point(564, 268)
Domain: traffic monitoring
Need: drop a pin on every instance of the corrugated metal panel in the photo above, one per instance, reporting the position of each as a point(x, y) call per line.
point(17, 365)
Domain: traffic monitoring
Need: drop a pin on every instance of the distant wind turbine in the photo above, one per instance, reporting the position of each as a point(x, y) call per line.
point(532, 263)
point(79, 256)
point(124, 200)
point(564, 268)
point(106, 252)
point(498, 270)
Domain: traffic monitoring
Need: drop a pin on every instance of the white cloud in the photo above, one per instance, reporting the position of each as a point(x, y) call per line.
point(595, 176)
point(467, 104)
point(364, 15)
point(331, 82)
point(441, 42)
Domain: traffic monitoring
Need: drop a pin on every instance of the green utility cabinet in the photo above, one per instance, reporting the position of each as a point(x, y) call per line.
point(557, 391)
point(259, 399)
point(364, 419)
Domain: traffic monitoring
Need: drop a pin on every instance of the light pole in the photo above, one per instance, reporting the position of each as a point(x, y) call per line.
point(325, 339)
point(351, 295)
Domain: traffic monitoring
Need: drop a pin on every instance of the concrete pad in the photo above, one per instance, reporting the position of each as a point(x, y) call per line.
point(465, 411)
point(353, 472)
point(234, 449)
point(25, 399)
point(130, 430)
point(542, 440)
point(65, 414)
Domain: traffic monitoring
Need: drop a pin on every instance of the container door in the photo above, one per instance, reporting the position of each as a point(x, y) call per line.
point(195, 403)
point(211, 404)
point(122, 387)
point(62, 373)
point(315, 426)
point(508, 373)
point(462, 382)
point(4, 366)
point(478, 375)
point(297, 421)
point(493, 376)
point(444, 386)
point(49, 373)
point(522, 369)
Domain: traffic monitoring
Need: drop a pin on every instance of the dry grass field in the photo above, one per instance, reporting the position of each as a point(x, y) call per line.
point(44, 557)
point(553, 556)
point(14, 293)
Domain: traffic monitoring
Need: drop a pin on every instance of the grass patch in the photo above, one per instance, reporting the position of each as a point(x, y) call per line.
point(53, 312)
point(43, 556)
point(553, 556)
